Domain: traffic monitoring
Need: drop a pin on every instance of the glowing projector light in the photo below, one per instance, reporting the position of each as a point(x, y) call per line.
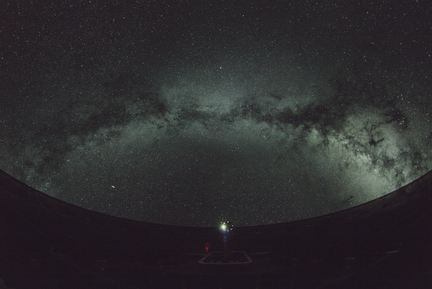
point(225, 227)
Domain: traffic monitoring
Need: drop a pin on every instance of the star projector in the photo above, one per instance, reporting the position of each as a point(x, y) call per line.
point(238, 259)
point(225, 227)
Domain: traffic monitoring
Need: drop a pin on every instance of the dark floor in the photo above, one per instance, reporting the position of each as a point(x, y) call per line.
point(46, 243)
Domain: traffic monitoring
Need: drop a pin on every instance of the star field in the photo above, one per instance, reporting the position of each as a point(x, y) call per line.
point(193, 112)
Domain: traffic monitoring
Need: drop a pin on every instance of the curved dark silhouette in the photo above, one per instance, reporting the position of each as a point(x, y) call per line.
point(47, 243)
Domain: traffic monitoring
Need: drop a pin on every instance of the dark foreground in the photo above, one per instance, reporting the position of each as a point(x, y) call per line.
point(46, 243)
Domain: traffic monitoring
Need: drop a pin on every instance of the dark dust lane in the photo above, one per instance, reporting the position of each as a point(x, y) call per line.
point(189, 114)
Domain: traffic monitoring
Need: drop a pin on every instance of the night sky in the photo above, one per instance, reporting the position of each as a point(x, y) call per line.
point(195, 112)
